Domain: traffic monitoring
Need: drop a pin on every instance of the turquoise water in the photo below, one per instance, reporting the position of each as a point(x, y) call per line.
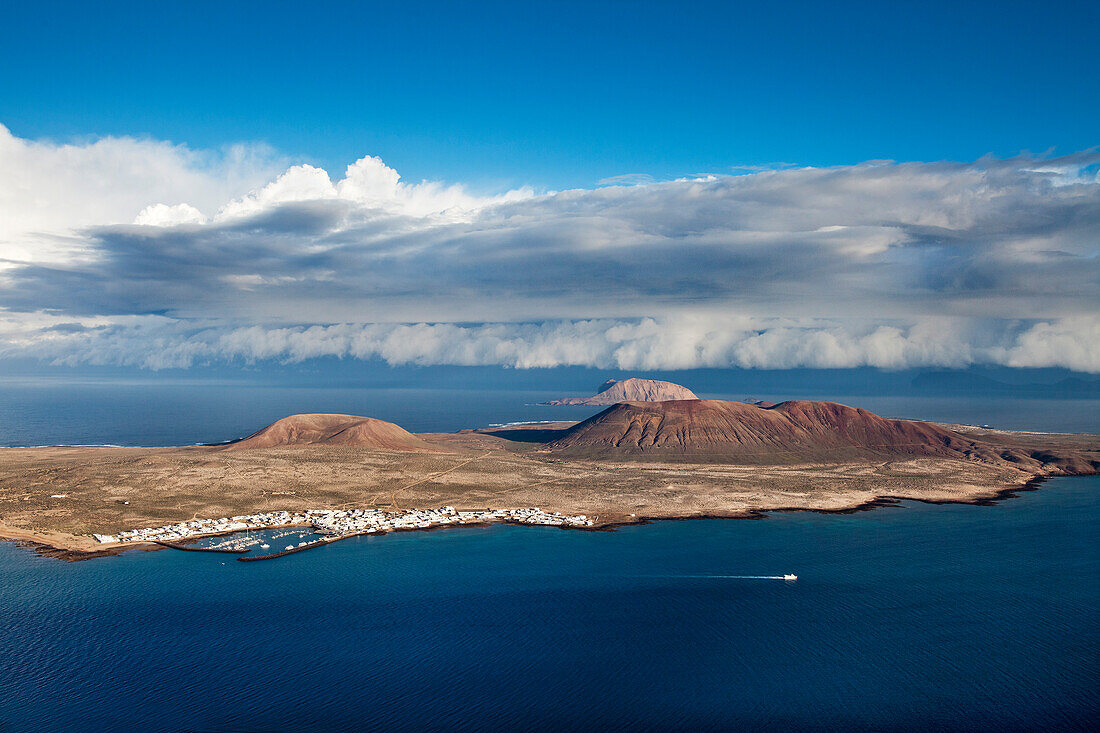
point(919, 617)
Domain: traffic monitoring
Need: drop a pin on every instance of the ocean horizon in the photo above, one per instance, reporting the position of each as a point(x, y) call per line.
point(48, 412)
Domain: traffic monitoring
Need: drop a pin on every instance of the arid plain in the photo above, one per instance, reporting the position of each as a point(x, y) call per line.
point(55, 497)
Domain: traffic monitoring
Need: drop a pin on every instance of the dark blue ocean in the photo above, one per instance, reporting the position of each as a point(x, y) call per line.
point(914, 617)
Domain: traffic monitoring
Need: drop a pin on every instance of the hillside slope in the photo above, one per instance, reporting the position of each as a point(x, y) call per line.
point(789, 432)
point(329, 429)
point(631, 390)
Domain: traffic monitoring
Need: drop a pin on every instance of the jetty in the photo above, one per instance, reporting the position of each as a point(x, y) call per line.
point(300, 547)
point(191, 548)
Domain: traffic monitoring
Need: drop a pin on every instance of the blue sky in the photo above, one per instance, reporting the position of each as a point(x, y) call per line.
point(559, 95)
point(823, 185)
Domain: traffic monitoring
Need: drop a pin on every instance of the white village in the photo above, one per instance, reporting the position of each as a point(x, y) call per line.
point(333, 524)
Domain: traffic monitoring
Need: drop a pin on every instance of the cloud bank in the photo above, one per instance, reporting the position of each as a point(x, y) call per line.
point(166, 257)
point(155, 342)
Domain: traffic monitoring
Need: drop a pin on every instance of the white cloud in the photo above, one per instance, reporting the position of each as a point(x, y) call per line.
point(48, 190)
point(299, 183)
point(157, 342)
point(368, 184)
point(627, 179)
point(880, 264)
point(162, 215)
point(1073, 343)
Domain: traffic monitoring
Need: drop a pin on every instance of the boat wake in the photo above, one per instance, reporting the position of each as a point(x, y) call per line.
point(789, 576)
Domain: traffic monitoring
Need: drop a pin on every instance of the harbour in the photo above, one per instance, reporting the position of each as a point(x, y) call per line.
point(188, 548)
point(330, 525)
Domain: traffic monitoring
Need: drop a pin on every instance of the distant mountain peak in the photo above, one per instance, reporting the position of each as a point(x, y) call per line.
point(634, 389)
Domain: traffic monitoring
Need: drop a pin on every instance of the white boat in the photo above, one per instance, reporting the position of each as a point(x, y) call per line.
point(790, 576)
point(265, 546)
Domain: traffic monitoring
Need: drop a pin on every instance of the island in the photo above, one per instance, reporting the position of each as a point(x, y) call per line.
point(635, 389)
point(633, 462)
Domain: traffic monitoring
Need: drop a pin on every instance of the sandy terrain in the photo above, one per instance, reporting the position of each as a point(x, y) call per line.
point(58, 496)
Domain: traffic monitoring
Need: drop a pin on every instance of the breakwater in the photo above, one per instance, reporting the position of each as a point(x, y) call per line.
point(291, 550)
point(189, 548)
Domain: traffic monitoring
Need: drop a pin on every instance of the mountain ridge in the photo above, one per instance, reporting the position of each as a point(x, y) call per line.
point(788, 432)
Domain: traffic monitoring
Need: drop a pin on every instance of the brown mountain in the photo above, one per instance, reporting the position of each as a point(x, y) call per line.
point(320, 429)
point(631, 390)
point(789, 432)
